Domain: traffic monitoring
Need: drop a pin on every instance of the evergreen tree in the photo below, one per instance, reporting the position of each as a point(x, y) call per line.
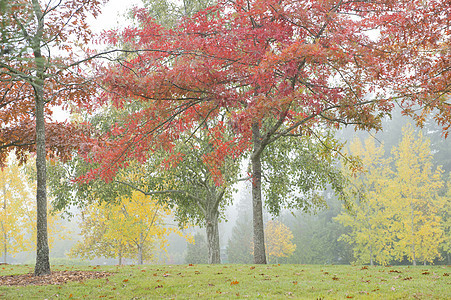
point(239, 247)
point(197, 253)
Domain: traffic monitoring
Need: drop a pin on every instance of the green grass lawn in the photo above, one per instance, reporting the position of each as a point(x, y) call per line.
point(242, 281)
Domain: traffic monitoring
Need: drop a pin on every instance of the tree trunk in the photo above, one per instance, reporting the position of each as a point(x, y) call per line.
point(257, 207)
point(5, 250)
point(42, 247)
point(120, 255)
point(371, 256)
point(140, 249)
point(214, 250)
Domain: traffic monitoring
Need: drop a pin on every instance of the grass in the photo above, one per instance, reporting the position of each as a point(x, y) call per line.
point(243, 281)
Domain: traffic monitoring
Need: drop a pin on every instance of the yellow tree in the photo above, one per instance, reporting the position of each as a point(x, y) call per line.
point(416, 203)
point(132, 227)
point(13, 197)
point(370, 217)
point(446, 221)
point(279, 240)
point(18, 209)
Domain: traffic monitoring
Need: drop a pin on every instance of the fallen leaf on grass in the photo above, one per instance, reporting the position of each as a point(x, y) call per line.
point(234, 282)
point(125, 280)
point(446, 274)
point(335, 277)
point(364, 268)
point(408, 278)
point(425, 273)
point(364, 292)
point(395, 271)
point(158, 286)
point(295, 282)
point(252, 268)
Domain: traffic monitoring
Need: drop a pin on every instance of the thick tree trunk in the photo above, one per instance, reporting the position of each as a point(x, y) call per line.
point(42, 255)
point(214, 250)
point(257, 207)
point(42, 247)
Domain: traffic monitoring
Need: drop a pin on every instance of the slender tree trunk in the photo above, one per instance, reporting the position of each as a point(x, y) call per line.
point(371, 256)
point(257, 207)
point(120, 255)
point(5, 250)
point(42, 247)
point(214, 250)
point(140, 249)
point(5, 236)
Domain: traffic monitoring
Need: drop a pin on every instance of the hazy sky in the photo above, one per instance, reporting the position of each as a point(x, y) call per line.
point(111, 15)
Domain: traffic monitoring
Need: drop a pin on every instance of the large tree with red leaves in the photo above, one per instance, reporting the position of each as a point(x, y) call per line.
point(276, 68)
point(38, 71)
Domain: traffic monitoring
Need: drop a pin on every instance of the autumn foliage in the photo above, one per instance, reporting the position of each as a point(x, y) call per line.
point(299, 63)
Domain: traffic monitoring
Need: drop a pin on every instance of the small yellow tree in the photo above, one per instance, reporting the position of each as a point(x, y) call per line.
point(134, 228)
point(371, 217)
point(18, 210)
point(278, 240)
point(446, 221)
point(13, 195)
point(416, 203)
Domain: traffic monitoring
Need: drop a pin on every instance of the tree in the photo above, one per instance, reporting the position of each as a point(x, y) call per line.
point(33, 79)
point(17, 215)
point(197, 253)
point(198, 187)
point(417, 204)
point(168, 13)
point(317, 235)
point(371, 217)
point(283, 70)
point(446, 222)
point(239, 246)
point(279, 240)
point(132, 228)
point(14, 196)
point(400, 213)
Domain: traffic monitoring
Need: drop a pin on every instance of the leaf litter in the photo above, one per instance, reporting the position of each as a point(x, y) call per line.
point(55, 278)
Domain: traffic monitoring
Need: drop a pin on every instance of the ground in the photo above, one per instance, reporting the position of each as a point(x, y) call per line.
point(56, 277)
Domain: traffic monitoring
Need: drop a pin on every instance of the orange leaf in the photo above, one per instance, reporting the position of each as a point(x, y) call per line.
point(234, 282)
